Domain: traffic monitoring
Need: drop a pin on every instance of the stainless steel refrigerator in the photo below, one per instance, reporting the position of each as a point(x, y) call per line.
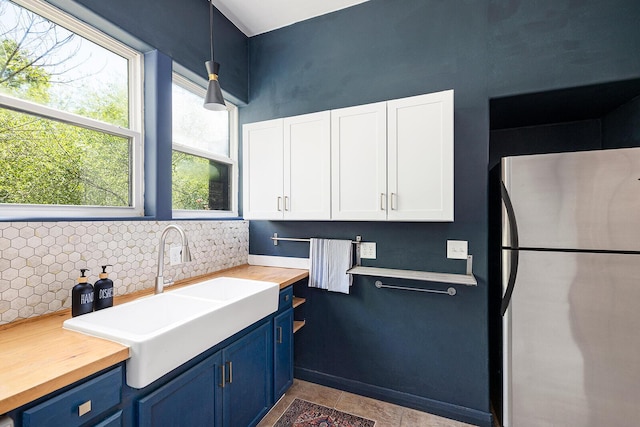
point(571, 289)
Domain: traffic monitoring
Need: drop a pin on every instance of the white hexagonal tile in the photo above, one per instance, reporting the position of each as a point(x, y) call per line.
point(10, 294)
point(25, 291)
point(25, 312)
point(26, 272)
point(33, 299)
point(27, 232)
point(10, 274)
point(41, 308)
point(26, 252)
point(55, 305)
point(10, 315)
point(10, 233)
point(48, 297)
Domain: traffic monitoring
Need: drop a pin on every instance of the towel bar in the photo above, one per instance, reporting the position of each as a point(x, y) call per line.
point(356, 242)
point(275, 239)
point(450, 291)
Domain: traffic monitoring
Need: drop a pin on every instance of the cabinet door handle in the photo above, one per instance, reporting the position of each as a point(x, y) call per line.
point(230, 372)
point(394, 196)
point(279, 204)
point(382, 201)
point(84, 408)
point(286, 203)
point(279, 340)
point(222, 374)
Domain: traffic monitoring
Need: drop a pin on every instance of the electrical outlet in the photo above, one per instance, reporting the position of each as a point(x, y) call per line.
point(175, 255)
point(457, 249)
point(368, 250)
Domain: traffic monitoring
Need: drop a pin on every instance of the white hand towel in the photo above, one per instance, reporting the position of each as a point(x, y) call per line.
point(329, 262)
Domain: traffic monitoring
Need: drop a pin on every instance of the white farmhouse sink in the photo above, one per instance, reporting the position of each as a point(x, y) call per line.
point(166, 330)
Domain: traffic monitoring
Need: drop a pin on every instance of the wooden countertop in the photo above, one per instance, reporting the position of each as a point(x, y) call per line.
point(38, 357)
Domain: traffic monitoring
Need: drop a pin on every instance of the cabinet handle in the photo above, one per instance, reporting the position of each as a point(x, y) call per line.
point(382, 201)
point(230, 372)
point(84, 408)
point(279, 202)
point(394, 196)
point(286, 204)
point(222, 374)
point(279, 340)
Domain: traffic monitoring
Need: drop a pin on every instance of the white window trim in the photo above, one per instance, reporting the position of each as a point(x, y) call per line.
point(134, 132)
point(232, 160)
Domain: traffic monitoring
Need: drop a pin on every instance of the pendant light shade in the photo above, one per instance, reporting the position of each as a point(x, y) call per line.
point(213, 100)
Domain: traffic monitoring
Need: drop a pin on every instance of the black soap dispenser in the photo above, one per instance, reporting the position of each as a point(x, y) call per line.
point(103, 290)
point(82, 296)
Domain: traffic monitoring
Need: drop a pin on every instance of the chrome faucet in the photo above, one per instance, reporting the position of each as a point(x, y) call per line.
point(186, 255)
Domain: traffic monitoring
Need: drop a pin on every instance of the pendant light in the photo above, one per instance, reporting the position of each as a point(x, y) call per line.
point(213, 100)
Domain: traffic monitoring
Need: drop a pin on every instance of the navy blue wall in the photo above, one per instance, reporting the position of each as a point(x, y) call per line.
point(179, 29)
point(621, 127)
point(426, 350)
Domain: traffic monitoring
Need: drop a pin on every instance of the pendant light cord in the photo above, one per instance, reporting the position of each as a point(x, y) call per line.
point(211, 27)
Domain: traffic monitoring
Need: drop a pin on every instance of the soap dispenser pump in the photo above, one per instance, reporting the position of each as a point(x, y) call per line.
point(103, 290)
point(82, 296)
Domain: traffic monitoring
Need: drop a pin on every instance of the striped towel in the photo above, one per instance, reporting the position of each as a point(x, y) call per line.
point(329, 261)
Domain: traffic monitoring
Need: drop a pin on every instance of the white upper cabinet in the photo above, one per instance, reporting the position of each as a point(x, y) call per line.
point(359, 162)
point(287, 168)
point(307, 167)
point(263, 171)
point(388, 161)
point(420, 157)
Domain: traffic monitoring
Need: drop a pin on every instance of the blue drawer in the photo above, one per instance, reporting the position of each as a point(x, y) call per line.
point(114, 420)
point(78, 405)
point(286, 298)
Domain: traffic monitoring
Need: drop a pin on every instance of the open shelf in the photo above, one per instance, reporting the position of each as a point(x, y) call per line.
point(297, 301)
point(297, 325)
point(426, 276)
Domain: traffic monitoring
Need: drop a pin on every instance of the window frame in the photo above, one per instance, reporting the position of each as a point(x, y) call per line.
point(231, 161)
point(134, 132)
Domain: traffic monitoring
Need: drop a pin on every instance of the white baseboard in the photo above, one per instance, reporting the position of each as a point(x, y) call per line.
point(279, 261)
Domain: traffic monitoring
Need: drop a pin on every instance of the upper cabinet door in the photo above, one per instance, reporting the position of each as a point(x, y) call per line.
point(262, 156)
point(420, 150)
point(307, 167)
point(359, 162)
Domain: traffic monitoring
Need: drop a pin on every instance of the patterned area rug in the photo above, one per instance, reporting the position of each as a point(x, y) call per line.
point(306, 414)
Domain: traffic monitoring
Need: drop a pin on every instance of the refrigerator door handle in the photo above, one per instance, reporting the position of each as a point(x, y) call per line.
point(513, 248)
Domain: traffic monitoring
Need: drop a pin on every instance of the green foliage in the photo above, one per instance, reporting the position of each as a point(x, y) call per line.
point(47, 162)
point(18, 75)
point(44, 161)
point(190, 181)
point(198, 183)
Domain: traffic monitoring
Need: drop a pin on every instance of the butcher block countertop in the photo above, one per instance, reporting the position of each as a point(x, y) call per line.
point(38, 357)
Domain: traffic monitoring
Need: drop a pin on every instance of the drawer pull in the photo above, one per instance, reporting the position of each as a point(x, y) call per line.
point(222, 374)
point(84, 408)
point(230, 372)
point(286, 298)
point(279, 340)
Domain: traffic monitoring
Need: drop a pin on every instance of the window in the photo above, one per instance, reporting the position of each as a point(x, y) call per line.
point(70, 117)
point(204, 166)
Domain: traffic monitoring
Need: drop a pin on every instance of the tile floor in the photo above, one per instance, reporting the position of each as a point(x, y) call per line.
point(384, 414)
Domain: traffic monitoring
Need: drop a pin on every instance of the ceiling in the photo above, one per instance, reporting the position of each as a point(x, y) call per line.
point(255, 17)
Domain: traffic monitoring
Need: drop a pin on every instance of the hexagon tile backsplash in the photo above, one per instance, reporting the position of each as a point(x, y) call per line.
point(40, 261)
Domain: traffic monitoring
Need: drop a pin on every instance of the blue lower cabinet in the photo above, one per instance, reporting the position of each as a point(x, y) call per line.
point(191, 399)
point(114, 420)
point(282, 353)
point(78, 405)
point(247, 386)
